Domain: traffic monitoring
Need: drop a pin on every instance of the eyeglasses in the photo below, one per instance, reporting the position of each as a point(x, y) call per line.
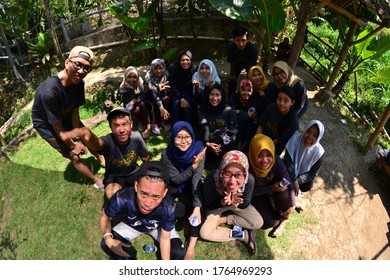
point(77, 65)
point(187, 138)
point(280, 74)
point(229, 175)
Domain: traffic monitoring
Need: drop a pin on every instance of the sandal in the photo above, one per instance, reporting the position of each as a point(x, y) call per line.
point(146, 134)
point(252, 241)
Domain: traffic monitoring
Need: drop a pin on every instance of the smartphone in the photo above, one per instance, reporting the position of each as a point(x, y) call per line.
point(284, 183)
point(237, 234)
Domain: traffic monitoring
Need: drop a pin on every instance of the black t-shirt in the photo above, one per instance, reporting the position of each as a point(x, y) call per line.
point(121, 159)
point(54, 102)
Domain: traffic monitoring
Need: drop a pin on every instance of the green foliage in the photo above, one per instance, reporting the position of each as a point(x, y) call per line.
point(239, 10)
point(21, 124)
point(383, 76)
point(270, 14)
point(43, 47)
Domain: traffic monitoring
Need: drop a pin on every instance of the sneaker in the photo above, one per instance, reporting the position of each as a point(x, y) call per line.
point(156, 130)
point(166, 126)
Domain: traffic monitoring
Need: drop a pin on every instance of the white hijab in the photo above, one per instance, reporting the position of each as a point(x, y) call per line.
point(213, 74)
point(305, 157)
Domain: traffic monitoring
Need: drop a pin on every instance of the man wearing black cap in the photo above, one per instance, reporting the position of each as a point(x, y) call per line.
point(56, 108)
point(143, 209)
point(241, 54)
point(121, 149)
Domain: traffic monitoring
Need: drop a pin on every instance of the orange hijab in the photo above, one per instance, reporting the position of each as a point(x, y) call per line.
point(265, 83)
point(260, 142)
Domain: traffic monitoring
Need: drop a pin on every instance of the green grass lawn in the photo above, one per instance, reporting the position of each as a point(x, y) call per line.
point(51, 212)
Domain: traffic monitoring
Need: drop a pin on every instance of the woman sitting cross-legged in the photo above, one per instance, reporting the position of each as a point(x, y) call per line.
point(226, 197)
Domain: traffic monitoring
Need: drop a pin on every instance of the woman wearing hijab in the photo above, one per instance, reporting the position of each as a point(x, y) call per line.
point(260, 83)
point(227, 194)
point(180, 80)
point(304, 155)
point(244, 104)
point(284, 77)
point(273, 194)
point(158, 88)
point(133, 98)
point(218, 122)
point(206, 74)
point(185, 158)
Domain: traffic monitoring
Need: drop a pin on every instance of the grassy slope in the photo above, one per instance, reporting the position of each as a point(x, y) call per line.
point(49, 211)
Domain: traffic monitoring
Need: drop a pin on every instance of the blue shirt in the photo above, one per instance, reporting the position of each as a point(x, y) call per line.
point(124, 204)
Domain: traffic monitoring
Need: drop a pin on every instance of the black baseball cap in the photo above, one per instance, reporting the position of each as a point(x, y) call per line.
point(154, 169)
point(116, 112)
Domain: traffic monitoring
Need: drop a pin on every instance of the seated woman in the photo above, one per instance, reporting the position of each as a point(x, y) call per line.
point(158, 88)
point(284, 77)
point(272, 199)
point(185, 158)
point(279, 121)
point(227, 193)
point(244, 104)
point(206, 75)
point(260, 83)
point(133, 98)
point(181, 94)
point(218, 122)
point(304, 155)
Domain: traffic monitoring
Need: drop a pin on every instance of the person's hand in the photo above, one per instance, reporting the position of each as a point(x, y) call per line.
point(80, 149)
point(164, 113)
point(277, 188)
point(252, 114)
point(196, 84)
point(164, 86)
point(262, 93)
point(184, 104)
point(196, 213)
point(215, 148)
point(198, 158)
point(227, 199)
point(115, 245)
point(296, 187)
point(209, 82)
point(236, 199)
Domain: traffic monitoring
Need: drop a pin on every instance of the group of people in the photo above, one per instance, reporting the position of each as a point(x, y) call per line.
point(262, 162)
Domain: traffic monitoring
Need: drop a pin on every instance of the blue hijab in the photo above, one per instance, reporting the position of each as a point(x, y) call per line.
point(182, 160)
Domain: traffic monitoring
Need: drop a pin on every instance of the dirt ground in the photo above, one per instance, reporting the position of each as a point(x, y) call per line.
point(351, 206)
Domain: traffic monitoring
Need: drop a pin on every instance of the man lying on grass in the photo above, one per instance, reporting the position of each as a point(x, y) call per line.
point(121, 149)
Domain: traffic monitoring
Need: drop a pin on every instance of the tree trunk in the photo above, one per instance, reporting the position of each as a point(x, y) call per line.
point(11, 59)
point(52, 30)
point(297, 44)
point(325, 94)
point(341, 83)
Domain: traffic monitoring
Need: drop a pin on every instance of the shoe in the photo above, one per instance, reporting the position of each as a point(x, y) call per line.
point(146, 134)
point(252, 241)
point(166, 126)
point(156, 130)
